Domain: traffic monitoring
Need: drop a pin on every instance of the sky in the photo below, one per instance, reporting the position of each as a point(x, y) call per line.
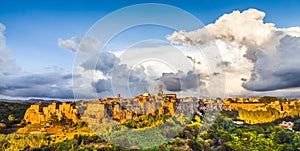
point(39, 41)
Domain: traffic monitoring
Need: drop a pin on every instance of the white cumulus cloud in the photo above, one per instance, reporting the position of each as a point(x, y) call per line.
point(71, 44)
point(257, 55)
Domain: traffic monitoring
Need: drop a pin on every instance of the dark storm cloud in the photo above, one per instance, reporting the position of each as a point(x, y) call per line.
point(181, 81)
point(105, 63)
point(120, 78)
point(52, 85)
point(277, 69)
point(117, 77)
point(103, 86)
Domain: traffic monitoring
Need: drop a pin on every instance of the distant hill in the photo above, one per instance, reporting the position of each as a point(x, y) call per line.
point(40, 100)
point(6, 100)
point(33, 101)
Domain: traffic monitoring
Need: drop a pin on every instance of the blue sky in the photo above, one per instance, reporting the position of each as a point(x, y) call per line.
point(33, 27)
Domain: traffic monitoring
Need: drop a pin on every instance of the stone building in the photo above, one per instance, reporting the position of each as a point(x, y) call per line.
point(43, 112)
point(113, 109)
point(120, 109)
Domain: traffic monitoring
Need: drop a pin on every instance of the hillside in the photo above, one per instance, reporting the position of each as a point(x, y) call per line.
point(15, 109)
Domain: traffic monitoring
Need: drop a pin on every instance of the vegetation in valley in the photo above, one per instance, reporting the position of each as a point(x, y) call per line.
point(151, 133)
point(146, 121)
point(222, 135)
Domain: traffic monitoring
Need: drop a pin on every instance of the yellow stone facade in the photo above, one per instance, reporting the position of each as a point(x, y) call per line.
point(43, 112)
point(256, 112)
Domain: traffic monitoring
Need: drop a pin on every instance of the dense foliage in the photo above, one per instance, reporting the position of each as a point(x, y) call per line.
point(12, 112)
point(163, 133)
point(222, 135)
point(146, 121)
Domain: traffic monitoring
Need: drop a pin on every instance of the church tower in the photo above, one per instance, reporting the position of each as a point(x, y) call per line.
point(160, 91)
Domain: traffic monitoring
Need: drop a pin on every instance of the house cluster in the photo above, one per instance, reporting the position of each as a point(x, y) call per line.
point(242, 100)
point(44, 112)
point(119, 108)
point(254, 104)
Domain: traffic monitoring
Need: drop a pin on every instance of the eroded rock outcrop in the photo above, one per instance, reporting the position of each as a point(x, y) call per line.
point(43, 112)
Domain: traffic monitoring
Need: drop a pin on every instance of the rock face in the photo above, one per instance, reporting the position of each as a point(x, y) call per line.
point(259, 112)
point(43, 112)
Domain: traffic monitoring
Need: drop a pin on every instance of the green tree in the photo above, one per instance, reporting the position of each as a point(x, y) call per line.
point(297, 125)
point(11, 118)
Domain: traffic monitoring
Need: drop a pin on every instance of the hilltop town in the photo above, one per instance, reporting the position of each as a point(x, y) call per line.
point(118, 109)
point(61, 122)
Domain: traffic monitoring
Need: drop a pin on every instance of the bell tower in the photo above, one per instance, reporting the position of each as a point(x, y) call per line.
point(160, 91)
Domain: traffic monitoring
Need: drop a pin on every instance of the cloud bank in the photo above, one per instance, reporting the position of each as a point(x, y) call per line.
point(122, 75)
point(46, 85)
point(269, 54)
